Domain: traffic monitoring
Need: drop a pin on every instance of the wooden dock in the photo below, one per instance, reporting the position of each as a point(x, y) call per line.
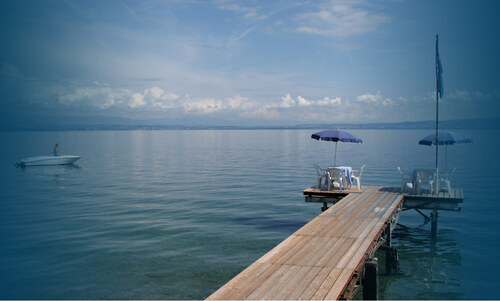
point(450, 201)
point(325, 258)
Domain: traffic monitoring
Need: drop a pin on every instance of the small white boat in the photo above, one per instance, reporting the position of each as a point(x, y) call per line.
point(48, 160)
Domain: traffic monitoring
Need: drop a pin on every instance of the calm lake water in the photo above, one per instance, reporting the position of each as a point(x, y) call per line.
point(176, 214)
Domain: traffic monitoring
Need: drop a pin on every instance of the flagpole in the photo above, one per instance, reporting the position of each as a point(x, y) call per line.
point(437, 110)
point(438, 90)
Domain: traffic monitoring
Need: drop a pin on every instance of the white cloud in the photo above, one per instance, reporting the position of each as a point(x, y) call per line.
point(137, 101)
point(369, 98)
point(367, 107)
point(154, 92)
point(327, 101)
point(239, 102)
point(202, 106)
point(297, 109)
point(102, 96)
point(287, 102)
point(301, 101)
point(156, 97)
point(340, 19)
point(374, 99)
point(207, 106)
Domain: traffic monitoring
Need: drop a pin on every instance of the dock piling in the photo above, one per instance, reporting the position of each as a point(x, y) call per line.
point(434, 219)
point(391, 260)
point(391, 253)
point(370, 280)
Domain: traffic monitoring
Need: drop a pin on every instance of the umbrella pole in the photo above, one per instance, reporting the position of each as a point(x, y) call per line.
point(446, 158)
point(335, 156)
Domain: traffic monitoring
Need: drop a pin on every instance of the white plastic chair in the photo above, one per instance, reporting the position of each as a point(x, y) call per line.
point(406, 180)
point(322, 174)
point(336, 175)
point(446, 179)
point(358, 177)
point(424, 177)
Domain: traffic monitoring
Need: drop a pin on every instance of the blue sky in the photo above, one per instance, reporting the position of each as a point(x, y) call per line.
point(249, 62)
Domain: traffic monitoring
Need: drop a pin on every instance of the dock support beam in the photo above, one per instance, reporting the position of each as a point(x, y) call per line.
point(391, 253)
point(434, 222)
point(421, 213)
point(370, 281)
point(391, 260)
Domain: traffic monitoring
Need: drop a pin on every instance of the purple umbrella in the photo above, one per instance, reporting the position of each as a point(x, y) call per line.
point(336, 136)
point(445, 138)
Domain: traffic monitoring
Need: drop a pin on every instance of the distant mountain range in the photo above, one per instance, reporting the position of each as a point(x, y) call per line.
point(117, 123)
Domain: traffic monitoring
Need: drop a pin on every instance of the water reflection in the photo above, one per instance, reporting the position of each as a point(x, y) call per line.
point(428, 270)
point(49, 170)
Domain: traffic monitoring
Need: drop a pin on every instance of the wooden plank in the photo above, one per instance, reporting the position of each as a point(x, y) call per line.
point(349, 223)
point(299, 285)
point(234, 283)
point(319, 251)
point(302, 256)
point(251, 284)
point(305, 243)
point(271, 283)
point(314, 226)
point(339, 227)
point(323, 229)
point(327, 254)
point(280, 249)
point(326, 285)
point(354, 247)
point(344, 230)
point(343, 227)
point(340, 284)
point(315, 283)
point(332, 257)
point(294, 279)
point(376, 204)
point(338, 208)
point(234, 287)
point(363, 202)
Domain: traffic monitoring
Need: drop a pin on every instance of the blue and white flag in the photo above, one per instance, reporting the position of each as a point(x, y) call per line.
point(439, 72)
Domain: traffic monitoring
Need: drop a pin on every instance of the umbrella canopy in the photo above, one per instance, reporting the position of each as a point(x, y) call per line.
point(336, 136)
point(445, 138)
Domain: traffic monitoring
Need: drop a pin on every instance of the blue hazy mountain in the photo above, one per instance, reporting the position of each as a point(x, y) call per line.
point(119, 123)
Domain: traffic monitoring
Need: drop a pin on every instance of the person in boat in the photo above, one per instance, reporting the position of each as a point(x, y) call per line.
point(56, 150)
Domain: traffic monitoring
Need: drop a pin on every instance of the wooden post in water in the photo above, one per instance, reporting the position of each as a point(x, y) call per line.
point(391, 253)
point(370, 281)
point(434, 221)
